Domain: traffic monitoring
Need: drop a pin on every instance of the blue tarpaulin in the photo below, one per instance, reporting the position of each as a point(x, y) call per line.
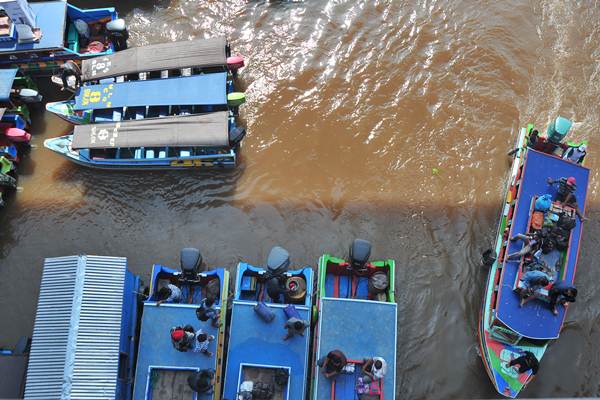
point(208, 89)
point(7, 77)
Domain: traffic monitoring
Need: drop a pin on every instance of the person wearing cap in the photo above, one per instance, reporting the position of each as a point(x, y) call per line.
point(565, 193)
point(183, 339)
point(575, 154)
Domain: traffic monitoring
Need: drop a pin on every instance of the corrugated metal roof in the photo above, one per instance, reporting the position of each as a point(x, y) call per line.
point(75, 345)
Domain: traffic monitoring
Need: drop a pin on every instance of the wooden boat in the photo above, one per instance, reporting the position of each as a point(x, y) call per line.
point(358, 296)
point(176, 142)
point(50, 35)
point(113, 102)
point(163, 60)
point(507, 330)
point(258, 358)
point(162, 371)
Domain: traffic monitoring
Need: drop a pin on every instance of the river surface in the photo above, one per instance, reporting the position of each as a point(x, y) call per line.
point(386, 120)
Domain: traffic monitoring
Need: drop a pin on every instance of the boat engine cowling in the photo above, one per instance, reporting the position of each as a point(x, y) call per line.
point(558, 129)
point(360, 251)
point(190, 261)
point(278, 261)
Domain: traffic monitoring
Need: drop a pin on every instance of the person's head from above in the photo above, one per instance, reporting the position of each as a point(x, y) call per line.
point(335, 357)
point(571, 181)
point(543, 281)
point(298, 325)
point(177, 334)
point(548, 246)
point(202, 337)
point(571, 292)
point(163, 293)
point(378, 364)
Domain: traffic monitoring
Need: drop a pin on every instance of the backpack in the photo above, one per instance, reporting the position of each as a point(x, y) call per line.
point(566, 222)
point(543, 203)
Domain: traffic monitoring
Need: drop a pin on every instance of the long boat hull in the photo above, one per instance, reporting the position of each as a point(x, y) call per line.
point(499, 341)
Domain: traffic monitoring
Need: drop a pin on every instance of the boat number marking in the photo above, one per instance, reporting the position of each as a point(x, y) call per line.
point(98, 96)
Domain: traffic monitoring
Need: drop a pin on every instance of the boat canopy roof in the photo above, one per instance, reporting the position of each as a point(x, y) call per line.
point(156, 57)
point(7, 77)
point(51, 18)
point(535, 319)
point(200, 130)
point(206, 89)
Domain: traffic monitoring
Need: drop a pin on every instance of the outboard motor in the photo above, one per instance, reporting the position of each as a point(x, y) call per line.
point(190, 260)
point(236, 135)
point(558, 129)
point(118, 34)
point(360, 251)
point(278, 261)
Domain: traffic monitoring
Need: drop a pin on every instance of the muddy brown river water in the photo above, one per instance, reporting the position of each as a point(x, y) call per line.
point(386, 120)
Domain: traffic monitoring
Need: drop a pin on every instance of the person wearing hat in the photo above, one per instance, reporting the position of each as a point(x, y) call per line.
point(183, 339)
point(575, 154)
point(565, 193)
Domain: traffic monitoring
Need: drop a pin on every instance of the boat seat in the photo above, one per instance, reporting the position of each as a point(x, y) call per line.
point(107, 80)
point(149, 153)
point(138, 153)
point(162, 154)
point(73, 38)
point(185, 153)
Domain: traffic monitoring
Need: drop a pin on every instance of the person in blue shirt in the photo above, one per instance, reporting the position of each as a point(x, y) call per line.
point(532, 282)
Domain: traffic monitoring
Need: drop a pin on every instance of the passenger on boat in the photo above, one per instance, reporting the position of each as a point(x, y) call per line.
point(202, 381)
point(70, 74)
point(276, 288)
point(532, 243)
point(333, 363)
point(168, 294)
point(183, 339)
point(527, 361)
point(561, 293)
point(565, 193)
point(532, 282)
point(208, 311)
point(575, 154)
point(531, 141)
point(295, 326)
point(201, 343)
point(374, 368)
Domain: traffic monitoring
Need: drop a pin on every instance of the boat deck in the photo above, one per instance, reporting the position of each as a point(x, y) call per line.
point(255, 342)
point(157, 353)
point(535, 319)
point(360, 329)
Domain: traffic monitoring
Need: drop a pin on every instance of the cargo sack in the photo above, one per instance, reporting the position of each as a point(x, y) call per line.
point(537, 220)
point(543, 203)
point(291, 312)
point(264, 312)
point(566, 222)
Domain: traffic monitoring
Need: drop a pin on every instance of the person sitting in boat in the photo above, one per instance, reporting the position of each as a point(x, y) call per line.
point(575, 154)
point(202, 342)
point(168, 294)
point(333, 363)
point(207, 310)
point(527, 361)
point(183, 339)
point(565, 193)
point(532, 282)
point(532, 243)
point(374, 368)
point(561, 293)
point(531, 142)
point(202, 381)
point(295, 326)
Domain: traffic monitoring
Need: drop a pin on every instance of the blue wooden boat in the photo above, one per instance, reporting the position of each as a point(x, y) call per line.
point(258, 358)
point(506, 329)
point(357, 315)
point(83, 343)
point(50, 34)
point(162, 371)
point(176, 142)
point(113, 102)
